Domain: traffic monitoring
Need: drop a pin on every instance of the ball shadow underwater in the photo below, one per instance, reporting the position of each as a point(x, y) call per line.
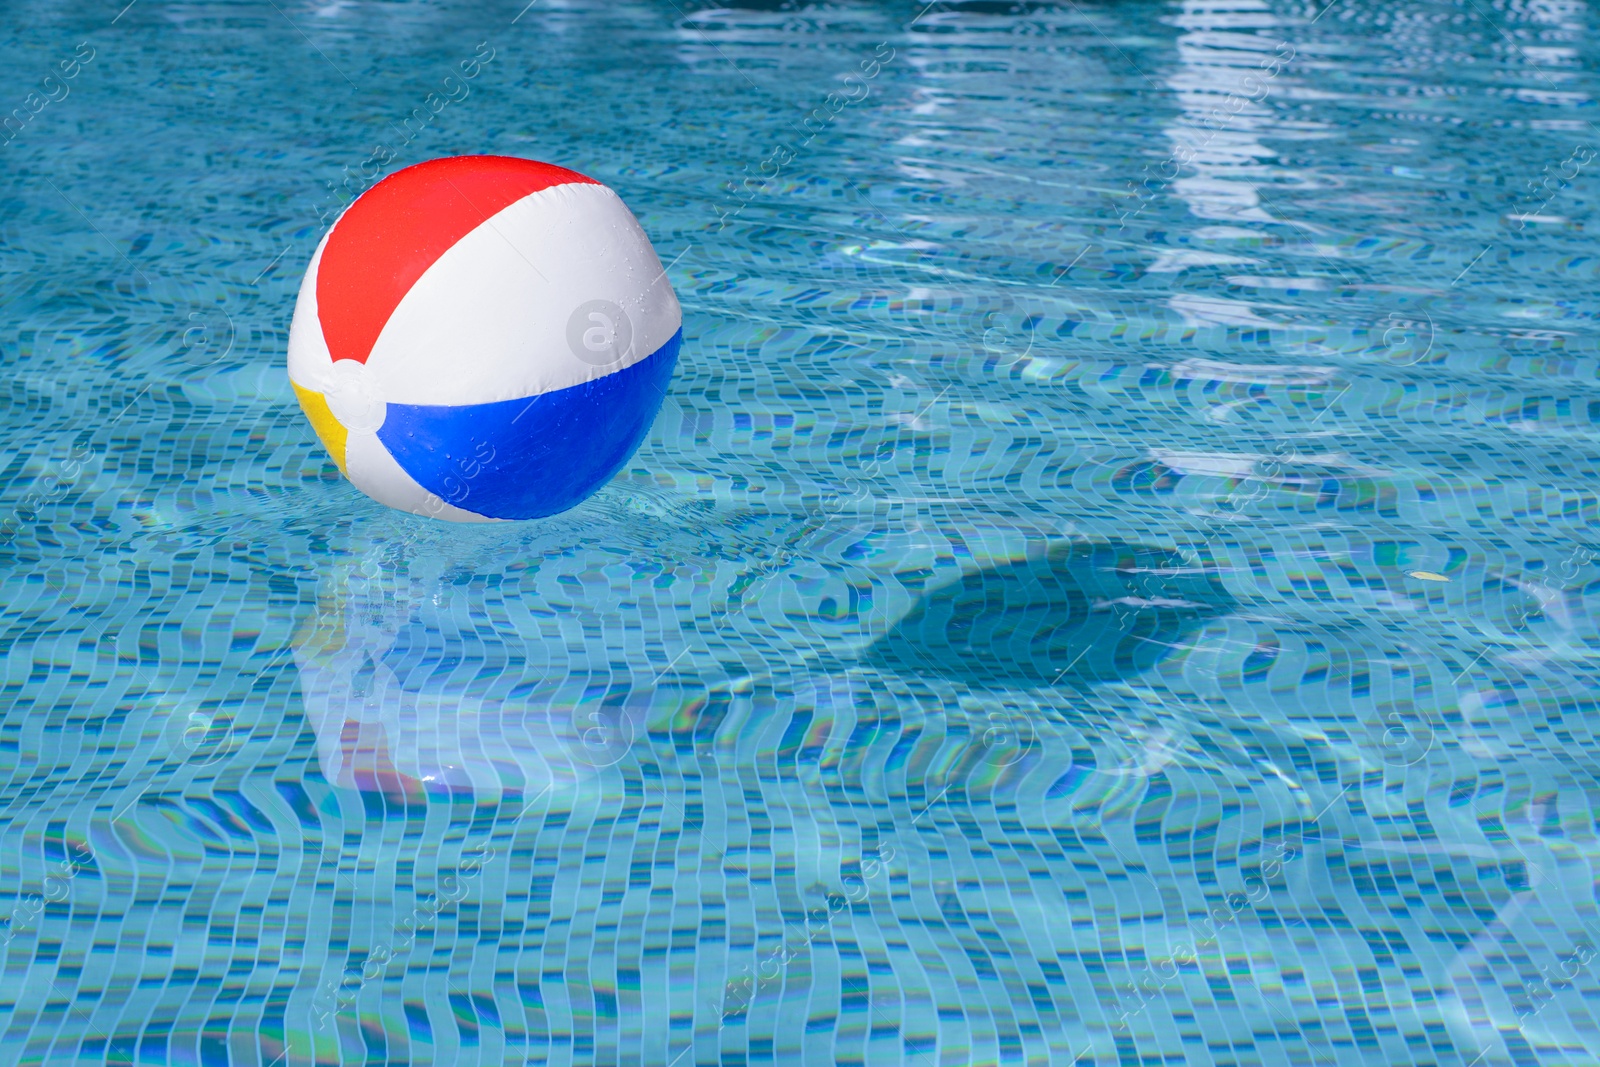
point(388, 715)
point(1081, 614)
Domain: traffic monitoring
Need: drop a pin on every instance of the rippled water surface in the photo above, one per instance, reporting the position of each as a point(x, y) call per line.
point(1113, 580)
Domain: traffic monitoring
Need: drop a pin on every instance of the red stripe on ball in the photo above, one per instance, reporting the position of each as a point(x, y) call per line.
point(400, 227)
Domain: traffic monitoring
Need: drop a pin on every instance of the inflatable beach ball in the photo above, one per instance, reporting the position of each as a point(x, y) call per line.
point(483, 338)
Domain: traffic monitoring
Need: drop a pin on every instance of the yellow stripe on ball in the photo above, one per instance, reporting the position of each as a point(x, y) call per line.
point(330, 431)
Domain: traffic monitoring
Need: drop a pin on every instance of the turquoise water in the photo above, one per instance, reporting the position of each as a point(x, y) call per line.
point(1112, 581)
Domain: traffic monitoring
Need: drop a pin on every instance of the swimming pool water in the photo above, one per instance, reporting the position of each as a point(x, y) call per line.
point(1112, 582)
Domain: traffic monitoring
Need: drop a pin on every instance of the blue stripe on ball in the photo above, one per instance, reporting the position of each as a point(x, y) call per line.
point(535, 456)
